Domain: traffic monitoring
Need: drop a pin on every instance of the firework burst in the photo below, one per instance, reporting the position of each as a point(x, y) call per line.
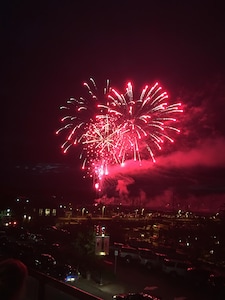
point(113, 127)
point(144, 123)
point(88, 123)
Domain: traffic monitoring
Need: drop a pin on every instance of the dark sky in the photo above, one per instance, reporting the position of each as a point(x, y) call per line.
point(48, 48)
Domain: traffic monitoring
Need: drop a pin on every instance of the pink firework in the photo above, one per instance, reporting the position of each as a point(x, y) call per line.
point(145, 123)
point(113, 127)
point(89, 124)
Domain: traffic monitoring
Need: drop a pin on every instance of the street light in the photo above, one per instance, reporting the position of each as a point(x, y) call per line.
point(103, 210)
point(82, 211)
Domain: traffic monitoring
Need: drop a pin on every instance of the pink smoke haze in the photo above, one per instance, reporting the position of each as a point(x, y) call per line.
point(208, 153)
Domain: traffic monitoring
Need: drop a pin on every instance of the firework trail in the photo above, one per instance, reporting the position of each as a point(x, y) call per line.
point(113, 127)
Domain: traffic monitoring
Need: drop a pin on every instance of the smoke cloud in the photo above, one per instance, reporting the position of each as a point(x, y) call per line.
point(207, 153)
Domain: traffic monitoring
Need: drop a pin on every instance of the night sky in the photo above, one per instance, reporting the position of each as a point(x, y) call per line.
point(49, 48)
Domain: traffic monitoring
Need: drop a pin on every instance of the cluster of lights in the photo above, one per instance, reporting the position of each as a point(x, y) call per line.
point(14, 223)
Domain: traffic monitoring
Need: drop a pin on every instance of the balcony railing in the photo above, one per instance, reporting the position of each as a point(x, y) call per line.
point(43, 287)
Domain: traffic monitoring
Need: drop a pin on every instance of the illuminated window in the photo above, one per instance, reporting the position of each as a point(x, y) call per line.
point(40, 211)
point(47, 211)
point(54, 212)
